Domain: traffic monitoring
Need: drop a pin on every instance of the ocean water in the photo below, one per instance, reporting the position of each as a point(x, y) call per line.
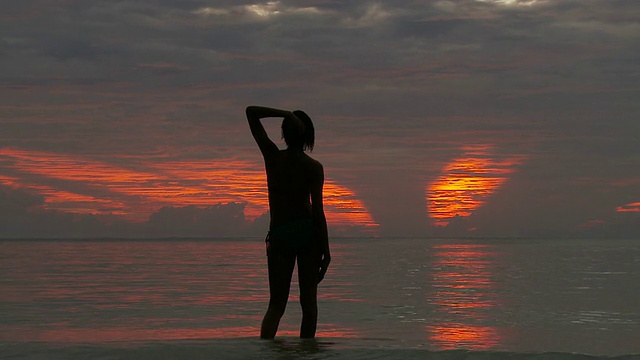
point(383, 298)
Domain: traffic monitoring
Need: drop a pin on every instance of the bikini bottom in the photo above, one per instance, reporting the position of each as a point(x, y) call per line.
point(294, 235)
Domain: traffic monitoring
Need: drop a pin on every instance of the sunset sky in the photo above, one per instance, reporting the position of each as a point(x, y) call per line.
point(433, 118)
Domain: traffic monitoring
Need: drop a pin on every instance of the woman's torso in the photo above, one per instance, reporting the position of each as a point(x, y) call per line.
point(289, 180)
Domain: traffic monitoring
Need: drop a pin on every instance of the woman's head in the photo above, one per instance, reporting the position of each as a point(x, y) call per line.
point(296, 139)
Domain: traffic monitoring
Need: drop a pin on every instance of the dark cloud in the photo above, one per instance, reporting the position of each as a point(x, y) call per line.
point(221, 220)
point(22, 215)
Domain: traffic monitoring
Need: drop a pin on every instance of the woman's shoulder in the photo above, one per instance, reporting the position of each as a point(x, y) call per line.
point(313, 162)
point(315, 168)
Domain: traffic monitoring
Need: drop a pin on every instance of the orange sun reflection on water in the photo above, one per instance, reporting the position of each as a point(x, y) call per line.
point(466, 183)
point(137, 191)
point(463, 292)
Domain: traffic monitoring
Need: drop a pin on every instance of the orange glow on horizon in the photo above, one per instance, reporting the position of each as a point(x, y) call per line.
point(137, 191)
point(466, 183)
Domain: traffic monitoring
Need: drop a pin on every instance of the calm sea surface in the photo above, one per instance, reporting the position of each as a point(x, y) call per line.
point(384, 298)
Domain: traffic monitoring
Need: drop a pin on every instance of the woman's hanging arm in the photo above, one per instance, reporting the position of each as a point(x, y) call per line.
point(320, 222)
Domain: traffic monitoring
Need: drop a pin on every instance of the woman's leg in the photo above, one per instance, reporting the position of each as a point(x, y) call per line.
point(308, 266)
point(280, 265)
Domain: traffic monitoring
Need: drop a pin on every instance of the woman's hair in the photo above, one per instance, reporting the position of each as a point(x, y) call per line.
point(294, 139)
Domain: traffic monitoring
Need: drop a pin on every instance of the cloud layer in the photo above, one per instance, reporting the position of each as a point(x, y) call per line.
point(123, 108)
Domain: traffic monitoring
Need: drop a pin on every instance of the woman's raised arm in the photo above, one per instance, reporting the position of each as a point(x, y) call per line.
point(254, 114)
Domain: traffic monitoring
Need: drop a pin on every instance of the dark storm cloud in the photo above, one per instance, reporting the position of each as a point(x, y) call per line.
point(396, 87)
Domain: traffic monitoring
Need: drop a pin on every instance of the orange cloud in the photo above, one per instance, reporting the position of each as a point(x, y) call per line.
point(592, 223)
point(247, 182)
point(67, 201)
point(343, 208)
point(633, 207)
point(138, 191)
point(466, 183)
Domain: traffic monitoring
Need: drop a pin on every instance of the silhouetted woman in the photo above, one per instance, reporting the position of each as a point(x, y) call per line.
point(298, 228)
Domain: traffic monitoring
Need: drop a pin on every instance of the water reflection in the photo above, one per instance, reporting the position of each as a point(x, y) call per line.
point(97, 291)
point(62, 333)
point(463, 295)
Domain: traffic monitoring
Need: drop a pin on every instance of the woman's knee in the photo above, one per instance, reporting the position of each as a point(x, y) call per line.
point(277, 308)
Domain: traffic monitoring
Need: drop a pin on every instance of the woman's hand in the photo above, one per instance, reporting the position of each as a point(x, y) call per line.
point(325, 260)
